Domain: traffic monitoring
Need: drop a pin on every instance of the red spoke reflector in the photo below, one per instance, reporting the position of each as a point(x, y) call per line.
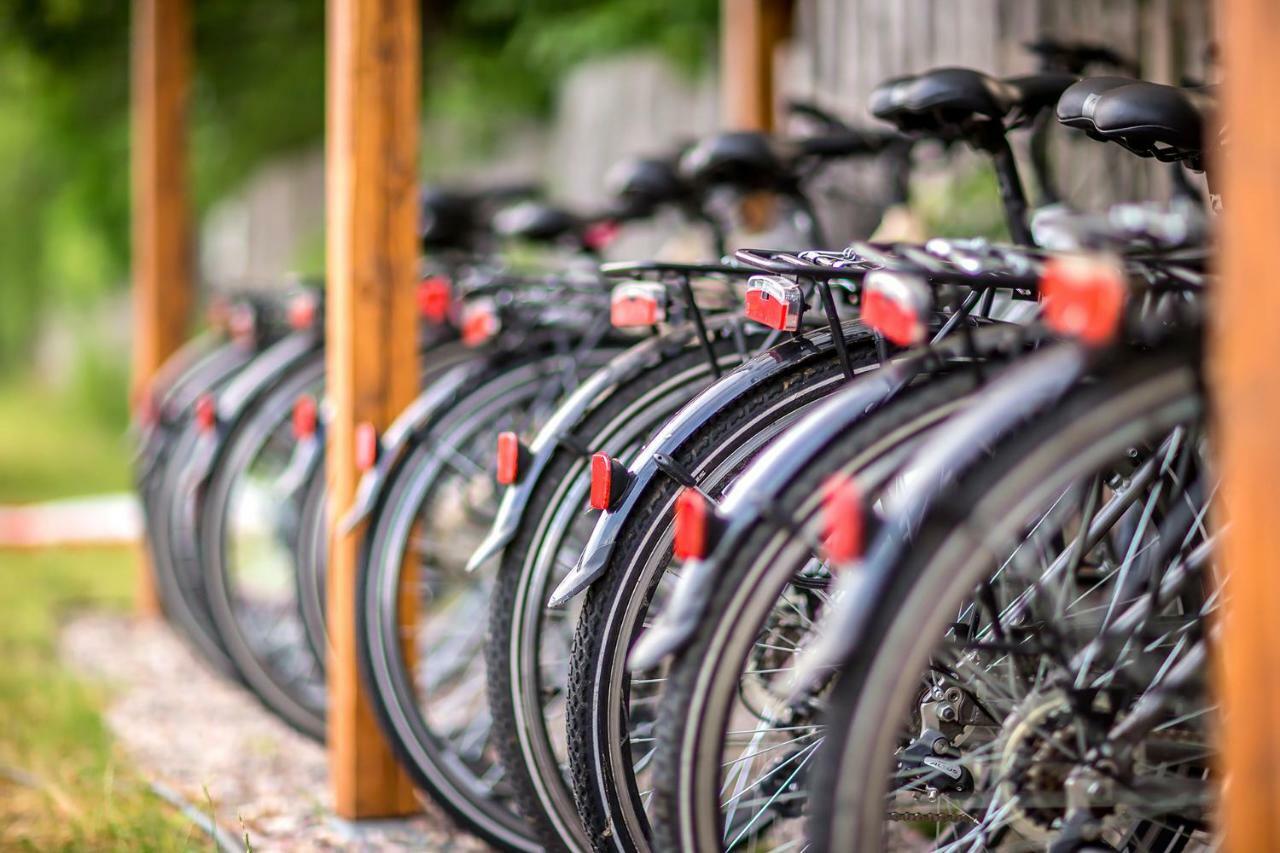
point(1083, 297)
point(697, 525)
point(842, 518)
point(895, 305)
point(609, 479)
point(637, 303)
point(512, 458)
point(305, 417)
point(775, 302)
point(302, 311)
point(206, 413)
point(435, 298)
point(366, 446)
point(600, 234)
point(479, 323)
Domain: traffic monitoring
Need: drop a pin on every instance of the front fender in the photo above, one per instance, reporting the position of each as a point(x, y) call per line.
point(1018, 394)
point(569, 415)
point(393, 443)
point(274, 362)
point(212, 370)
point(683, 426)
point(748, 500)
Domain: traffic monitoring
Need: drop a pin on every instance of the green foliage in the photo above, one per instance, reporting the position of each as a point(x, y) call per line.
point(258, 93)
point(961, 204)
point(52, 446)
point(63, 785)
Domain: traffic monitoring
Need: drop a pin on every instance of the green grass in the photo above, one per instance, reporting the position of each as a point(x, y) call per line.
point(52, 446)
point(64, 785)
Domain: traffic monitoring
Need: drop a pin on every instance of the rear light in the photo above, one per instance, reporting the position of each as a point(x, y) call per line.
point(513, 458)
point(305, 417)
point(366, 446)
point(774, 302)
point(697, 525)
point(600, 234)
point(479, 323)
point(242, 323)
point(302, 311)
point(1083, 297)
point(896, 305)
point(637, 304)
point(842, 519)
point(206, 413)
point(435, 298)
point(609, 479)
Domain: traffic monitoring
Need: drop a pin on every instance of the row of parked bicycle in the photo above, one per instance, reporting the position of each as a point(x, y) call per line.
point(898, 545)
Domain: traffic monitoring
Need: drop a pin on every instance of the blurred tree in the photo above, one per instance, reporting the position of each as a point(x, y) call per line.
point(258, 93)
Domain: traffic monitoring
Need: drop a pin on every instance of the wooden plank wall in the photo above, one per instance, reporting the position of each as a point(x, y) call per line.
point(841, 49)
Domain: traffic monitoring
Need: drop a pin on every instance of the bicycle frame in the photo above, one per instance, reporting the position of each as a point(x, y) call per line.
point(689, 421)
point(558, 431)
point(1012, 398)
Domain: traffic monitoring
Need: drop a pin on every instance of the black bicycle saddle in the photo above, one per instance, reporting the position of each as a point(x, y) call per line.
point(446, 219)
point(1075, 107)
point(645, 183)
point(949, 102)
point(744, 159)
point(1155, 120)
point(536, 221)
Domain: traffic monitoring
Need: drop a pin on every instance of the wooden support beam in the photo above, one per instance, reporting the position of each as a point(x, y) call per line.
point(162, 281)
point(750, 33)
point(372, 160)
point(1246, 359)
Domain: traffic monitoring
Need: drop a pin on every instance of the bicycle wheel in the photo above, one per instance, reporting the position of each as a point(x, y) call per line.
point(733, 746)
point(1032, 677)
point(249, 562)
point(527, 650)
point(609, 709)
point(430, 697)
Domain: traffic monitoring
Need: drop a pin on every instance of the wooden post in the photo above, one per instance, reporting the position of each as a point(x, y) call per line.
point(372, 158)
point(162, 285)
point(1246, 374)
point(750, 33)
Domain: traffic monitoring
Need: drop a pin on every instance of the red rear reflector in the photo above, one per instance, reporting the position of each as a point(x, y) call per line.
point(600, 234)
point(304, 417)
point(637, 304)
point(302, 311)
point(609, 479)
point(206, 413)
point(512, 456)
point(1083, 297)
point(697, 525)
point(435, 298)
point(366, 449)
point(895, 305)
point(774, 302)
point(842, 518)
point(479, 323)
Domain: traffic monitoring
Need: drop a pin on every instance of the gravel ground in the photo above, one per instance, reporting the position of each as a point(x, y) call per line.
point(213, 745)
